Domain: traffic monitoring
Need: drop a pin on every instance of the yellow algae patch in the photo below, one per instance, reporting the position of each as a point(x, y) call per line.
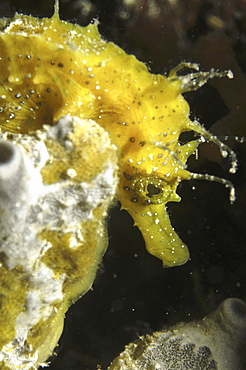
point(13, 289)
point(78, 158)
point(52, 68)
point(52, 230)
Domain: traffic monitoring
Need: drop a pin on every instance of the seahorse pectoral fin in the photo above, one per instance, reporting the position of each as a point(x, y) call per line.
point(161, 239)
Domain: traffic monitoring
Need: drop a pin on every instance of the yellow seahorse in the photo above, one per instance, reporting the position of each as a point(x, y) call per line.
point(50, 68)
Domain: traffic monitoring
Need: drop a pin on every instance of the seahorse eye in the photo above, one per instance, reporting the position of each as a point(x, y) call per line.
point(152, 190)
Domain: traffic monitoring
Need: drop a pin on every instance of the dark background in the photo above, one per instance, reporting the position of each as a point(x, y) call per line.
point(133, 294)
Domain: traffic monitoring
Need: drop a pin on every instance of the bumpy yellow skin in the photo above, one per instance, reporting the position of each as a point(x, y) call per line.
point(49, 68)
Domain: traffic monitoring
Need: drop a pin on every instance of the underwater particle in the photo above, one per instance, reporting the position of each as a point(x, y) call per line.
point(214, 343)
point(51, 68)
point(52, 231)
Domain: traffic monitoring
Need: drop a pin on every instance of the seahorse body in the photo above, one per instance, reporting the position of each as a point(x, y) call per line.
point(50, 68)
